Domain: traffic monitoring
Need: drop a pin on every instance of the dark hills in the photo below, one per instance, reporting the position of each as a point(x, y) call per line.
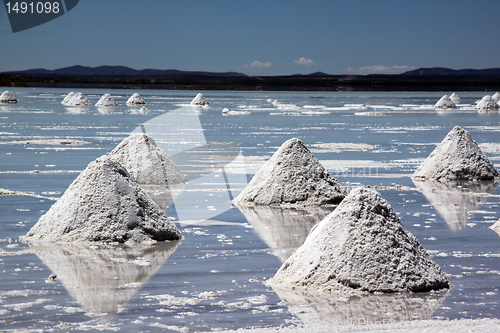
point(448, 71)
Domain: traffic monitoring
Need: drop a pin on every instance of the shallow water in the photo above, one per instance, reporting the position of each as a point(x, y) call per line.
point(214, 277)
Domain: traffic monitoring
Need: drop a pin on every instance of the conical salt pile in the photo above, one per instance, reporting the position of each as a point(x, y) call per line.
point(361, 245)
point(457, 157)
point(496, 96)
point(78, 100)
point(199, 100)
point(8, 98)
point(487, 103)
point(293, 176)
point(135, 99)
point(146, 162)
point(455, 99)
point(103, 204)
point(68, 97)
point(445, 103)
point(106, 100)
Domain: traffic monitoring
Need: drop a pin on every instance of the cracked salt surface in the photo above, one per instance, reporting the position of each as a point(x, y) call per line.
point(217, 273)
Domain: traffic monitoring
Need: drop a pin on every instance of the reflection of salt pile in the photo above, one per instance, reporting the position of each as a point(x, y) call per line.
point(78, 100)
point(283, 229)
point(144, 110)
point(146, 162)
point(487, 103)
point(292, 176)
point(7, 98)
point(445, 103)
point(68, 97)
point(457, 157)
point(363, 245)
point(135, 99)
point(456, 201)
point(200, 100)
point(103, 279)
point(455, 99)
point(341, 310)
point(104, 204)
point(106, 100)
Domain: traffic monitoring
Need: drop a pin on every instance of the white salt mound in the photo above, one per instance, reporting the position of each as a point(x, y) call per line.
point(103, 204)
point(146, 162)
point(8, 98)
point(106, 100)
point(361, 245)
point(445, 103)
point(496, 227)
point(496, 96)
point(144, 110)
point(199, 100)
point(487, 103)
point(135, 99)
point(292, 176)
point(78, 99)
point(68, 97)
point(457, 157)
point(454, 97)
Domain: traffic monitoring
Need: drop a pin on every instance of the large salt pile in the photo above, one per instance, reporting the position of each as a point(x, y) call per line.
point(106, 100)
point(361, 245)
point(496, 96)
point(68, 97)
point(200, 100)
point(103, 204)
point(455, 99)
point(135, 99)
point(445, 103)
point(146, 162)
point(292, 176)
point(487, 103)
point(457, 157)
point(8, 98)
point(78, 100)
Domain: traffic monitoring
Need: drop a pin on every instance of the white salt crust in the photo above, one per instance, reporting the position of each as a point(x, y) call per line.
point(292, 177)
point(103, 204)
point(362, 245)
point(457, 157)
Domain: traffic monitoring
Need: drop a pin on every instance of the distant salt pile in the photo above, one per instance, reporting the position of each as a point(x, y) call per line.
point(487, 103)
point(228, 112)
point(455, 99)
point(103, 204)
point(68, 97)
point(292, 177)
point(496, 96)
point(361, 245)
point(7, 98)
point(78, 100)
point(144, 110)
point(457, 157)
point(200, 100)
point(445, 103)
point(107, 101)
point(135, 99)
point(146, 162)
point(496, 227)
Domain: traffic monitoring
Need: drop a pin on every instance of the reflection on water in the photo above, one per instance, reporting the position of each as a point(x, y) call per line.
point(343, 310)
point(77, 110)
point(106, 109)
point(163, 195)
point(283, 229)
point(456, 201)
point(103, 278)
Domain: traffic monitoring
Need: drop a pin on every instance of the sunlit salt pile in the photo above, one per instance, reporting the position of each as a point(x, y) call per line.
point(144, 110)
point(135, 99)
point(496, 96)
point(78, 99)
point(146, 162)
point(103, 204)
point(361, 245)
point(7, 98)
point(292, 176)
point(445, 102)
point(68, 97)
point(457, 157)
point(200, 100)
point(455, 99)
point(106, 100)
point(487, 103)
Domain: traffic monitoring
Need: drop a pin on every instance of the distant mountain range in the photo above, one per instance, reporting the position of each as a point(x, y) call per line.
point(448, 71)
point(120, 71)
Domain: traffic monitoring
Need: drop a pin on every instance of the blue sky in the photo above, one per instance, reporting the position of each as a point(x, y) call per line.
point(257, 37)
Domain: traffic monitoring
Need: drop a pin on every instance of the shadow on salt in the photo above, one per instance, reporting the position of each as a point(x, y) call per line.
point(456, 201)
point(103, 278)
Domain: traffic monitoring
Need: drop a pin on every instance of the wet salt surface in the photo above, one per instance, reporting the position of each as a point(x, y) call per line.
point(214, 277)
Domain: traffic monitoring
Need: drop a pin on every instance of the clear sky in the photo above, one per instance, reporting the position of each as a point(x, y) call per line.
point(262, 37)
